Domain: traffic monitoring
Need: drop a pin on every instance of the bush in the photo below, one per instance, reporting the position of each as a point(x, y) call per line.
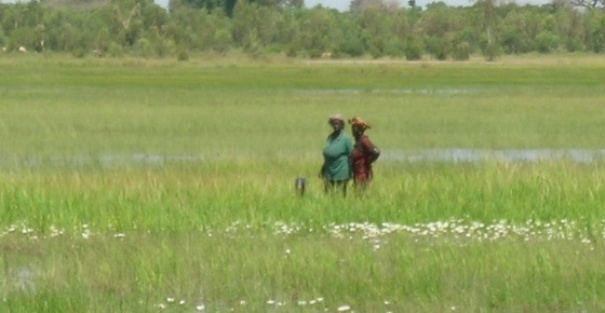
point(377, 48)
point(222, 41)
point(352, 46)
point(182, 55)
point(2, 38)
point(394, 48)
point(461, 51)
point(437, 47)
point(491, 52)
point(292, 49)
point(115, 50)
point(490, 49)
point(143, 48)
point(413, 49)
point(79, 53)
point(546, 42)
point(165, 48)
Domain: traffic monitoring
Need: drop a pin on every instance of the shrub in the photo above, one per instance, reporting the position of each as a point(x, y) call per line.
point(437, 47)
point(115, 50)
point(352, 46)
point(143, 48)
point(546, 42)
point(413, 49)
point(394, 48)
point(461, 51)
point(182, 55)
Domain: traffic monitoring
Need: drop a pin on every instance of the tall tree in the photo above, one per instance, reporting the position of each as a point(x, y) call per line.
point(589, 4)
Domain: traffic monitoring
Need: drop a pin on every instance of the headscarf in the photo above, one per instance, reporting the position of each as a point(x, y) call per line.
point(357, 121)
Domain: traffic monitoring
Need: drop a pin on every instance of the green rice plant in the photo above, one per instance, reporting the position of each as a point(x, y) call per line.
point(155, 185)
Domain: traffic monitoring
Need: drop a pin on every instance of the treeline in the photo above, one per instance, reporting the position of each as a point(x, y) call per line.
point(141, 28)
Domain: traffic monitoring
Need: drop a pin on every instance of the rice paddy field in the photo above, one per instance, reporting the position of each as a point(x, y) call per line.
point(132, 185)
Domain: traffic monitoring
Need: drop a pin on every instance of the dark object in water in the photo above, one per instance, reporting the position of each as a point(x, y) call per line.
point(300, 184)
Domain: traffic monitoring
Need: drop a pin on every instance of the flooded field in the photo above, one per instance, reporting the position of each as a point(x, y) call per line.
point(413, 156)
point(512, 155)
point(156, 186)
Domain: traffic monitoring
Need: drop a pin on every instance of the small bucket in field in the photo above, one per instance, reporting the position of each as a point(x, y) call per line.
point(300, 185)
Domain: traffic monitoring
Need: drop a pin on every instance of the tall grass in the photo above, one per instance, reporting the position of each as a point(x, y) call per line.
point(135, 185)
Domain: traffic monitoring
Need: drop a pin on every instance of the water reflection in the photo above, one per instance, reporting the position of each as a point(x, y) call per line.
point(478, 155)
point(401, 91)
point(413, 156)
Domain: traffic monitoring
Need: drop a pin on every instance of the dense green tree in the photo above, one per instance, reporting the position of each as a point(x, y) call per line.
point(413, 48)
point(254, 26)
point(517, 32)
point(377, 28)
point(360, 5)
point(375, 24)
point(569, 28)
point(588, 4)
point(595, 29)
point(2, 38)
point(318, 33)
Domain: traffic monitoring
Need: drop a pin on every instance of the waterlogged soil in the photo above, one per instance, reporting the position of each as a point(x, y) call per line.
point(413, 156)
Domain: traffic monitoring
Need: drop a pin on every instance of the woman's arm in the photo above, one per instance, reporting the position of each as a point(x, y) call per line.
point(370, 149)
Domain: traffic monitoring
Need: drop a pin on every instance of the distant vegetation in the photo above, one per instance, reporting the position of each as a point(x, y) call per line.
point(371, 28)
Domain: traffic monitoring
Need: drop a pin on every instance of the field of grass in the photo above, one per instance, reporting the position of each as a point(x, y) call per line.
point(161, 186)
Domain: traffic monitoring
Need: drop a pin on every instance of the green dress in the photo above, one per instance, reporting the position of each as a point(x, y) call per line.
point(336, 154)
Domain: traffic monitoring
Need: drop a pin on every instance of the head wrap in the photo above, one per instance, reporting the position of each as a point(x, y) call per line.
point(357, 121)
point(336, 117)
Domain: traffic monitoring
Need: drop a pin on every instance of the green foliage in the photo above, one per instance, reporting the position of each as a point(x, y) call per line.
point(597, 31)
point(79, 53)
point(468, 35)
point(166, 48)
point(317, 34)
point(395, 48)
point(547, 42)
point(256, 27)
point(115, 50)
point(143, 48)
point(461, 51)
point(413, 49)
point(2, 37)
point(377, 48)
point(437, 47)
point(517, 33)
point(490, 49)
point(351, 46)
point(182, 55)
point(222, 41)
point(23, 36)
point(293, 49)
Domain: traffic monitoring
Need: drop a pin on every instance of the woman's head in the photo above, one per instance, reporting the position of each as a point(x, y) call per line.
point(358, 125)
point(337, 122)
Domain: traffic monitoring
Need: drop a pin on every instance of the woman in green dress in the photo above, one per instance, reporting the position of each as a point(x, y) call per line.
point(336, 168)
